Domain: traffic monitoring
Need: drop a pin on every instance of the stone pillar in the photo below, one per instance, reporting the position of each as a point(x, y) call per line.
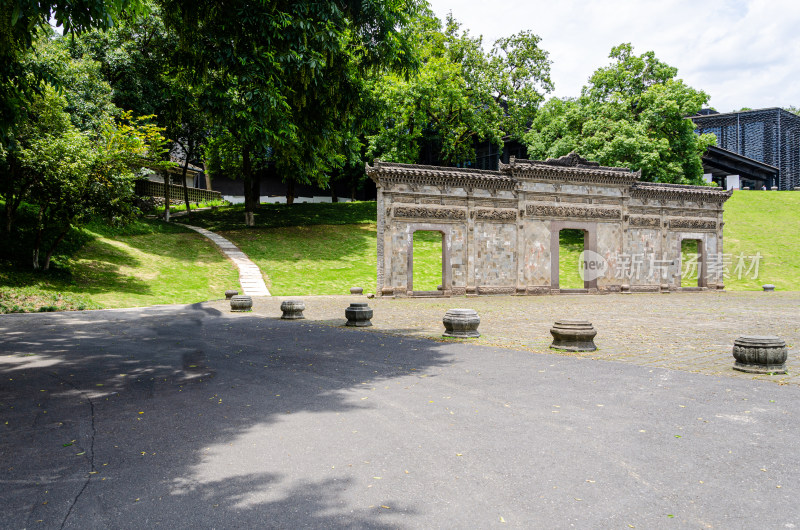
point(521, 287)
point(381, 266)
point(470, 245)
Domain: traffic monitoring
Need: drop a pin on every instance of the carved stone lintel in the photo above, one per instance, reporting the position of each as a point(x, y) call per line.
point(693, 224)
point(490, 214)
point(583, 212)
point(645, 222)
point(422, 212)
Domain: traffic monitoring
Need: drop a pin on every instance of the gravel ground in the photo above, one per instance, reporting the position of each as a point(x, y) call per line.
point(692, 332)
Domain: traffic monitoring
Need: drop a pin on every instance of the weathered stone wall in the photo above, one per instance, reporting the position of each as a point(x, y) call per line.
point(501, 228)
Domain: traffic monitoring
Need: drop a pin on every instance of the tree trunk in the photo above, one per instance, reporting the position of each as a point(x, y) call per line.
point(38, 241)
point(58, 240)
point(290, 192)
point(334, 198)
point(256, 191)
point(247, 177)
point(185, 189)
point(166, 196)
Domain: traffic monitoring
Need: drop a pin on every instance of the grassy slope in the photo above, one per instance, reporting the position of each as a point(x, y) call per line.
point(283, 215)
point(146, 263)
point(307, 260)
point(147, 269)
point(767, 222)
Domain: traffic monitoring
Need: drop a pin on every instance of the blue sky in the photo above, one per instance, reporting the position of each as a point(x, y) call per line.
point(743, 53)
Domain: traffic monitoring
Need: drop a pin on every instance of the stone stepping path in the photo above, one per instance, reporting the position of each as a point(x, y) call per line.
point(249, 274)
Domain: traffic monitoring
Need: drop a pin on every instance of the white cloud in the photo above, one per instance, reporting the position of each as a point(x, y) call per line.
point(743, 53)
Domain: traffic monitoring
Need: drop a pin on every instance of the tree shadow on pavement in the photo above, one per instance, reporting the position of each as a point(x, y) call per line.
point(185, 416)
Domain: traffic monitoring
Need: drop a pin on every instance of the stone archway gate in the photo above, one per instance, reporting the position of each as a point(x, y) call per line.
point(500, 228)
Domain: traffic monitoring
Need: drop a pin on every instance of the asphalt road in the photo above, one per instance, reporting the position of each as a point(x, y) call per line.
point(188, 417)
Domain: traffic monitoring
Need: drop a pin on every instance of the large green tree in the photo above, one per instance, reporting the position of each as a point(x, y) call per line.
point(632, 113)
point(21, 23)
point(140, 59)
point(460, 94)
point(283, 77)
point(72, 154)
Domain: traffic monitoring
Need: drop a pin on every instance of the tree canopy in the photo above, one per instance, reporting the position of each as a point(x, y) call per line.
point(21, 23)
point(459, 95)
point(632, 113)
point(283, 78)
point(72, 153)
point(307, 89)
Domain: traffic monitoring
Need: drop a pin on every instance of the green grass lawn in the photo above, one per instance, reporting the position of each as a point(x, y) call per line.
point(308, 260)
point(765, 222)
point(146, 263)
point(286, 215)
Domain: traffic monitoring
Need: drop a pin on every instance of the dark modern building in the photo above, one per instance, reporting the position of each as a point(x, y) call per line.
point(770, 137)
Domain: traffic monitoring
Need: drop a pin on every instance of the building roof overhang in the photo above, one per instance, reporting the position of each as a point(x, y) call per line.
point(721, 162)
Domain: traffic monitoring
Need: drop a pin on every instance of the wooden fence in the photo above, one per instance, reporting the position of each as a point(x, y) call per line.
point(148, 188)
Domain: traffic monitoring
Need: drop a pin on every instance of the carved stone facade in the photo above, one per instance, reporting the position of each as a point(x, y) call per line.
point(501, 228)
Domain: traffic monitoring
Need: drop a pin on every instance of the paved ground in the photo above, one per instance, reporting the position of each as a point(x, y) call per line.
point(191, 416)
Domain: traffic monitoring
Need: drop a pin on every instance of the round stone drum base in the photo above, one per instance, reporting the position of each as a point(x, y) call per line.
point(757, 354)
point(573, 335)
point(293, 309)
point(358, 315)
point(241, 303)
point(461, 324)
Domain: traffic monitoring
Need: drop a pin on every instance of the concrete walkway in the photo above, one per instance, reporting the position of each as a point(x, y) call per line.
point(249, 274)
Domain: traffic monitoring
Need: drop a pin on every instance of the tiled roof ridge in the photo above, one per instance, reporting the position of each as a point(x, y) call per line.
point(380, 164)
point(660, 189)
